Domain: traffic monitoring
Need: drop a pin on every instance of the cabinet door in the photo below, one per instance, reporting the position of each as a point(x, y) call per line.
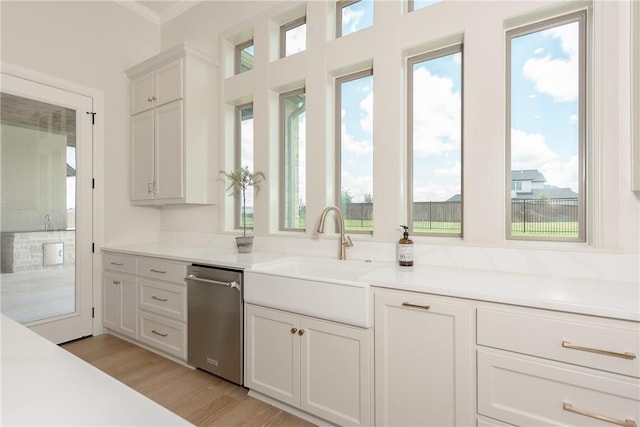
point(142, 92)
point(120, 303)
point(169, 82)
point(272, 354)
point(169, 151)
point(336, 372)
point(422, 356)
point(142, 142)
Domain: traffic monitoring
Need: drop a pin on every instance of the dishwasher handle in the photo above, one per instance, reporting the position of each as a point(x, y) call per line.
point(212, 282)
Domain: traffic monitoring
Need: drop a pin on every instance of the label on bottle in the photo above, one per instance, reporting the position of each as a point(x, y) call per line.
point(405, 255)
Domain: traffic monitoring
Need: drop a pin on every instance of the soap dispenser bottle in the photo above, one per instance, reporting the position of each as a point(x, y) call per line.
point(405, 249)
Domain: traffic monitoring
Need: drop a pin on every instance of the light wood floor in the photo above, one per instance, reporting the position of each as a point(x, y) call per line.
point(197, 396)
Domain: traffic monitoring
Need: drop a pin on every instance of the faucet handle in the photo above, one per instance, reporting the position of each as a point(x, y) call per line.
point(346, 242)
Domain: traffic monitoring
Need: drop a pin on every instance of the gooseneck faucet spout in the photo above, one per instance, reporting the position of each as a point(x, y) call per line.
point(345, 241)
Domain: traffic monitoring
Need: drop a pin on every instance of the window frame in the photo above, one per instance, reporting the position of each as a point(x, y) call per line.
point(581, 17)
point(283, 144)
point(298, 22)
point(338, 135)
point(434, 54)
point(238, 55)
point(237, 161)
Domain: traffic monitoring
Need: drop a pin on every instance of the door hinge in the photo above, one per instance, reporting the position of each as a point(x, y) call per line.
point(93, 117)
point(93, 312)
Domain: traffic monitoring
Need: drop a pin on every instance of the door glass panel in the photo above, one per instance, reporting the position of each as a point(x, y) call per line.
point(37, 215)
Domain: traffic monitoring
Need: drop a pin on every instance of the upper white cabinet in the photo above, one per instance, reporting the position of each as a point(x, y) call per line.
point(171, 128)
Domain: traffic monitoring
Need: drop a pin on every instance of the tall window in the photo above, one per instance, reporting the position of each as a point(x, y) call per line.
point(546, 129)
point(435, 142)
point(293, 154)
point(353, 15)
point(354, 151)
point(244, 57)
point(293, 37)
point(244, 157)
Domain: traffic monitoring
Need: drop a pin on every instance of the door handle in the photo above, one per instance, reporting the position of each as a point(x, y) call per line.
point(213, 282)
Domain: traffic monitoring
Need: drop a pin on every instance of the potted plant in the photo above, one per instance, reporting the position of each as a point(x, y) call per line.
point(238, 182)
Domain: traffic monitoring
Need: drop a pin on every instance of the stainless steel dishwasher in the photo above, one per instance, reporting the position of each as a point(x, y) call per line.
point(215, 319)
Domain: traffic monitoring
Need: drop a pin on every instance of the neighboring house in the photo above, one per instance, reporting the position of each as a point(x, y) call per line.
point(530, 184)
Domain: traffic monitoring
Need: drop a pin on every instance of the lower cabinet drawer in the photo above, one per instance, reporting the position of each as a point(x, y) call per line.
point(163, 298)
point(164, 334)
point(523, 390)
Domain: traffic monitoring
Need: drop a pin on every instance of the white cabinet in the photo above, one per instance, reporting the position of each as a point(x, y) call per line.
point(422, 353)
point(120, 295)
point(146, 299)
point(538, 367)
point(321, 367)
point(171, 128)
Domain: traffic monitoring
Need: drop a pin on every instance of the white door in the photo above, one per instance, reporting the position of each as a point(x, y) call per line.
point(46, 210)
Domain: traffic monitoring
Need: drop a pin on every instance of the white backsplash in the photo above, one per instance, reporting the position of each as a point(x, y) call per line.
point(587, 263)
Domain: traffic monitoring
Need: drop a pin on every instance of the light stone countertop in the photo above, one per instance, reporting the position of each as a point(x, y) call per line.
point(613, 299)
point(45, 385)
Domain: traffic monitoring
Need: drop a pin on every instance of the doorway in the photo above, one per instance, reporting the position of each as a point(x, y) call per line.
point(46, 210)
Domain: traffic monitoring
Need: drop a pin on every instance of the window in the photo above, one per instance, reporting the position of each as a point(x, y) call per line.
point(293, 37)
point(353, 15)
point(419, 4)
point(435, 142)
point(244, 57)
point(354, 151)
point(244, 157)
point(546, 87)
point(293, 155)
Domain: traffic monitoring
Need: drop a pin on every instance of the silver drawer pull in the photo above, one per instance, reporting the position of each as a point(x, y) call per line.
point(625, 423)
point(119, 264)
point(153, 270)
point(159, 299)
point(626, 355)
point(162, 334)
point(408, 304)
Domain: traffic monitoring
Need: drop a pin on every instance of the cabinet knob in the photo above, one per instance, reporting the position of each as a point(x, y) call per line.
point(294, 330)
point(149, 99)
point(301, 332)
point(116, 282)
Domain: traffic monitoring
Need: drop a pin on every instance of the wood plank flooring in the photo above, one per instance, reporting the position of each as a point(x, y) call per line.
point(197, 396)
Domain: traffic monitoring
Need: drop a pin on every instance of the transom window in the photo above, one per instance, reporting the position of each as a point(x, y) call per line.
point(546, 86)
point(353, 15)
point(435, 142)
point(293, 37)
point(244, 57)
point(419, 4)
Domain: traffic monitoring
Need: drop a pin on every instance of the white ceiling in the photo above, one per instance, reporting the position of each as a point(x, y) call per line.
point(159, 11)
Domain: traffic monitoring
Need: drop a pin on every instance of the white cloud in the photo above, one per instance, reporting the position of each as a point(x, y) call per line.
point(557, 77)
point(357, 186)
point(530, 151)
point(538, 51)
point(351, 18)
point(573, 118)
point(296, 40)
point(437, 114)
point(367, 106)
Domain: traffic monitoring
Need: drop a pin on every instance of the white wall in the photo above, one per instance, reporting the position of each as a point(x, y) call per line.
point(90, 44)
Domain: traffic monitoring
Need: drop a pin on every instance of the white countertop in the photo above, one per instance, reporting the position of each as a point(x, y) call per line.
point(615, 299)
point(45, 385)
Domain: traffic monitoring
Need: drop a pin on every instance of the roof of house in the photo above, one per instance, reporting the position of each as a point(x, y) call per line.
point(527, 175)
point(548, 192)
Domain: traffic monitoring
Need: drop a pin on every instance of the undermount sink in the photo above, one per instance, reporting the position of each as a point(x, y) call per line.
point(319, 287)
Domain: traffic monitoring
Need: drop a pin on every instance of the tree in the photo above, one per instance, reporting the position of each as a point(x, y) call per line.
point(368, 197)
point(346, 198)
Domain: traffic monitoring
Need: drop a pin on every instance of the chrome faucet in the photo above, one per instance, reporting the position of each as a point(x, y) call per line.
point(345, 241)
